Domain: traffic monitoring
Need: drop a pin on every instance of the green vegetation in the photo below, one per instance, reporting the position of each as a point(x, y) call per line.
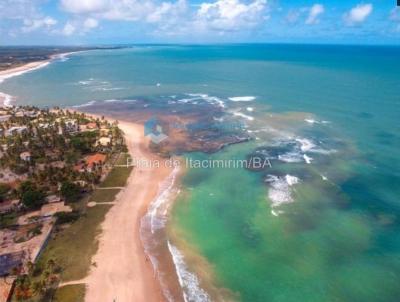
point(66, 217)
point(123, 159)
point(70, 191)
point(39, 284)
point(74, 256)
point(105, 195)
point(8, 219)
point(117, 177)
point(51, 154)
point(70, 293)
point(31, 196)
point(4, 189)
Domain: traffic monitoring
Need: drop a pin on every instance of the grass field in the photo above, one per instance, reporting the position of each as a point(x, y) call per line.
point(107, 195)
point(117, 177)
point(70, 293)
point(72, 248)
point(123, 159)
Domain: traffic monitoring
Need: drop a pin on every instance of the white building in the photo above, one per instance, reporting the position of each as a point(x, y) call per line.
point(26, 156)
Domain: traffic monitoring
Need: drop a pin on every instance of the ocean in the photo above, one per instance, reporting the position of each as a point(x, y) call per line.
point(321, 222)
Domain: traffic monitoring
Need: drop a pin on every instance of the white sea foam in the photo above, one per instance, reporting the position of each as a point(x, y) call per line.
point(307, 159)
point(6, 99)
point(245, 116)
point(90, 103)
point(62, 57)
point(218, 119)
point(305, 144)
point(324, 177)
point(290, 157)
point(250, 109)
point(106, 88)
point(111, 101)
point(312, 121)
point(155, 220)
point(84, 82)
point(119, 101)
point(156, 213)
point(242, 98)
point(280, 191)
point(202, 96)
point(192, 292)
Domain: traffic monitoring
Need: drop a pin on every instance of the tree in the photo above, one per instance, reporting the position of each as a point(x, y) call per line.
point(31, 196)
point(33, 199)
point(70, 191)
point(4, 189)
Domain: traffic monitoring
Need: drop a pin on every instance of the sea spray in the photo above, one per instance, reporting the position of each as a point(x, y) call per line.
point(192, 292)
point(242, 98)
point(280, 191)
point(152, 229)
point(6, 99)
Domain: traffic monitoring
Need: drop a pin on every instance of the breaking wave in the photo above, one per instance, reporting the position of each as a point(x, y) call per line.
point(192, 292)
point(280, 191)
point(242, 98)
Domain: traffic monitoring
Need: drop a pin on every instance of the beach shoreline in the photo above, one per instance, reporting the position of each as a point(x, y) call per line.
point(6, 100)
point(123, 270)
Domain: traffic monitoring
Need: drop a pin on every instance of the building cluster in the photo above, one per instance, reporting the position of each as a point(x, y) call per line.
point(42, 152)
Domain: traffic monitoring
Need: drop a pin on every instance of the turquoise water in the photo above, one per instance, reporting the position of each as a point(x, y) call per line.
point(324, 231)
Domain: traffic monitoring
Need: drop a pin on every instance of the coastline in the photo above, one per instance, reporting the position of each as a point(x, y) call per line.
point(123, 270)
point(6, 99)
point(132, 274)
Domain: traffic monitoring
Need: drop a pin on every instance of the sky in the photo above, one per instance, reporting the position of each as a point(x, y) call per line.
point(86, 22)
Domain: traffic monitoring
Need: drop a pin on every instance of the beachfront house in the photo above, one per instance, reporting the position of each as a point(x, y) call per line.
point(71, 126)
point(26, 156)
point(4, 118)
point(96, 159)
point(88, 127)
point(104, 131)
point(15, 130)
point(104, 141)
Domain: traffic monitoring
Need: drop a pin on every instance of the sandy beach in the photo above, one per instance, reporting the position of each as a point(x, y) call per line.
point(8, 73)
point(123, 272)
point(5, 99)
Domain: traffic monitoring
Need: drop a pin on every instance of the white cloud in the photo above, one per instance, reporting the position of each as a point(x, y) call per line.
point(32, 25)
point(21, 9)
point(395, 14)
point(90, 23)
point(168, 12)
point(358, 14)
point(85, 6)
point(127, 10)
point(395, 17)
point(174, 17)
point(68, 29)
point(231, 15)
point(315, 11)
point(293, 15)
